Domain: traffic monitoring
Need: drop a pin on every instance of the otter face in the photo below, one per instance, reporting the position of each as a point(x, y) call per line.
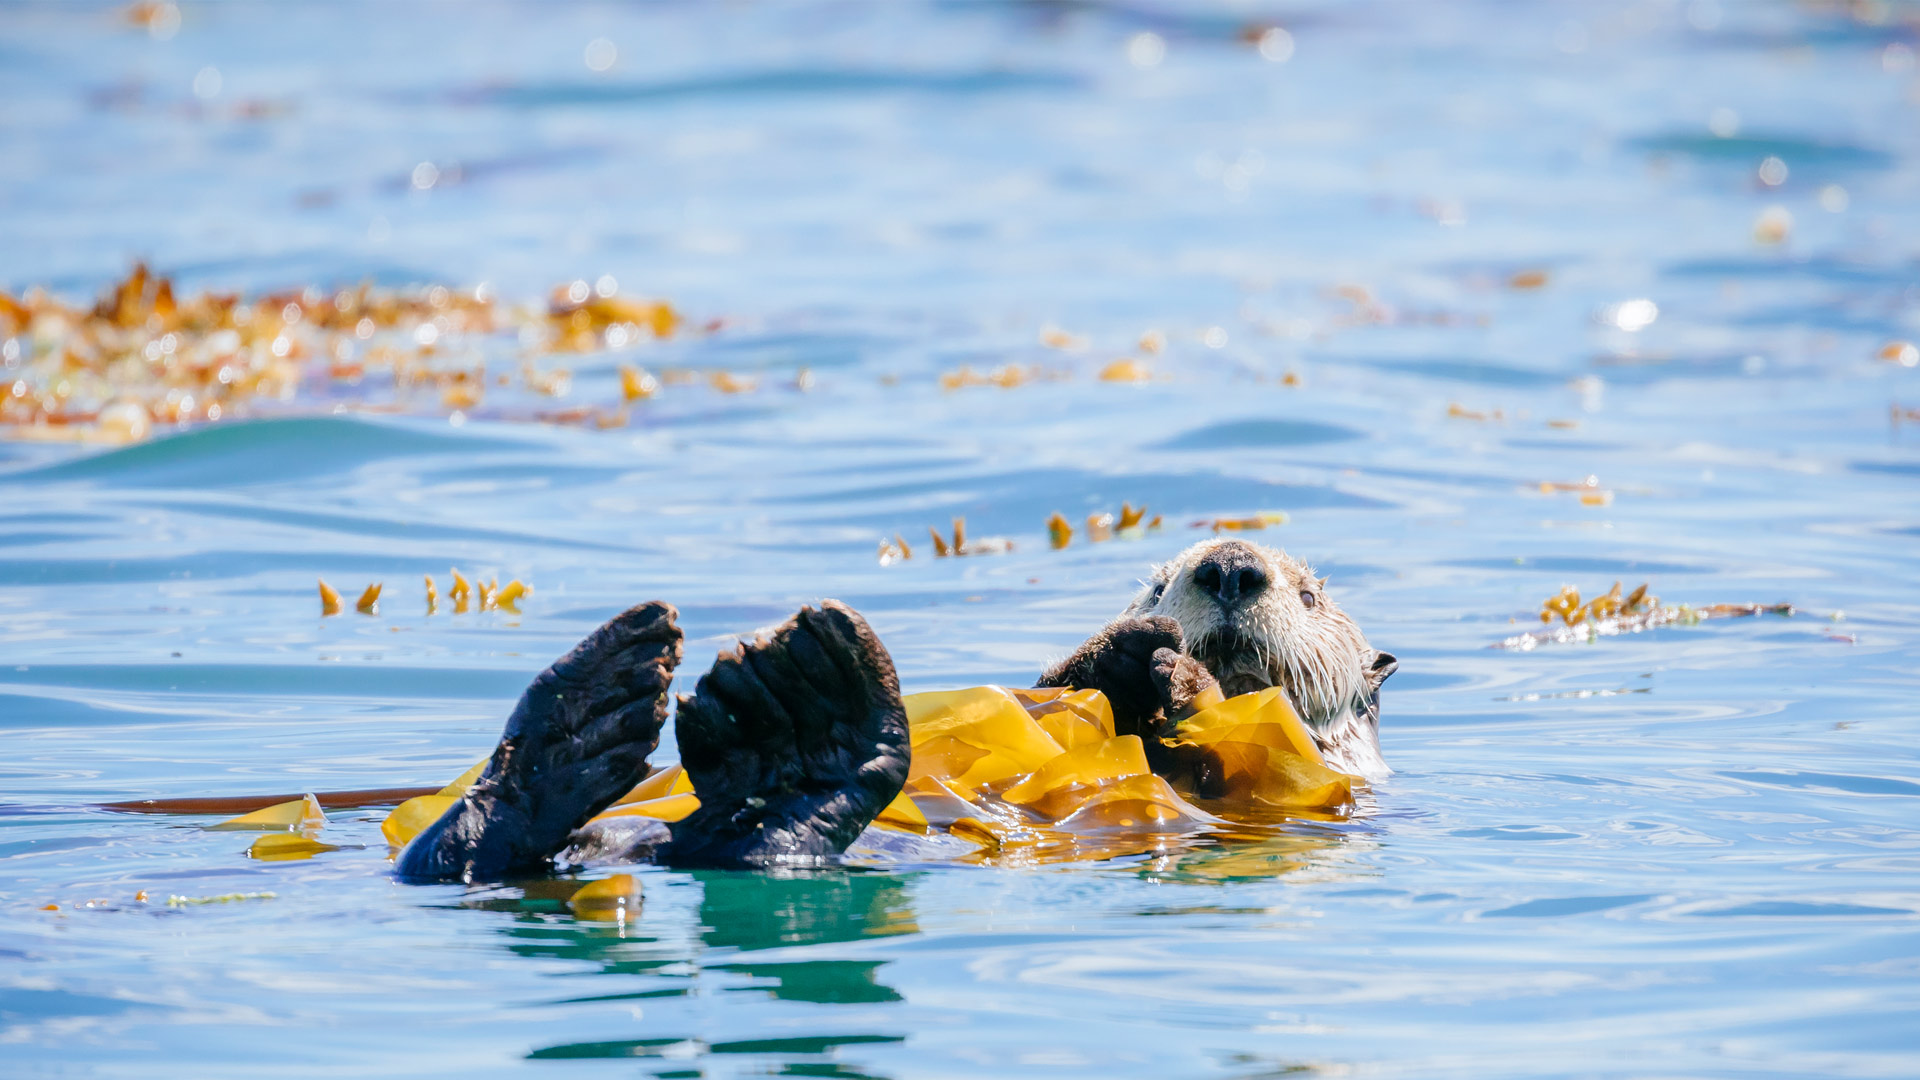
point(1257, 618)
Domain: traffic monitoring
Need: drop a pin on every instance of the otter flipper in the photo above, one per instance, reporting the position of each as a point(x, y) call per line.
point(1138, 665)
point(794, 743)
point(578, 740)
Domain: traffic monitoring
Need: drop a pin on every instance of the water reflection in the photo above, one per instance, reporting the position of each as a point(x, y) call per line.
point(736, 913)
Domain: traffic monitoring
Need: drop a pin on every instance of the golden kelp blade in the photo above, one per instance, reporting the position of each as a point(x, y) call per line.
point(285, 848)
point(938, 802)
point(1206, 699)
point(1057, 789)
point(1269, 706)
point(410, 818)
point(672, 780)
point(1072, 717)
point(509, 595)
point(665, 808)
point(330, 603)
point(369, 602)
point(1254, 748)
point(1059, 533)
point(903, 815)
point(301, 813)
point(616, 898)
point(1137, 804)
point(975, 736)
point(466, 779)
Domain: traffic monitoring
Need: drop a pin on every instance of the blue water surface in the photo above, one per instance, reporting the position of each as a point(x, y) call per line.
point(1689, 852)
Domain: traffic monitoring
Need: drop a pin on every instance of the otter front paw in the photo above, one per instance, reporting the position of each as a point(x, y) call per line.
point(1183, 682)
point(1119, 661)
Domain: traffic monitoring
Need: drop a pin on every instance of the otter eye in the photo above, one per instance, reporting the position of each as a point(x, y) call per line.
point(1307, 597)
point(1159, 587)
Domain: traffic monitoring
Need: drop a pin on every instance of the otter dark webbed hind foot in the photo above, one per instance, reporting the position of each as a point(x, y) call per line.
point(578, 740)
point(794, 743)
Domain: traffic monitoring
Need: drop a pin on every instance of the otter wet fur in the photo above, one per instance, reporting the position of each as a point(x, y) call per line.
point(1252, 617)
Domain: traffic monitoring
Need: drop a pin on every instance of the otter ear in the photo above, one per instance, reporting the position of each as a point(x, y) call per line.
point(1323, 581)
point(1384, 664)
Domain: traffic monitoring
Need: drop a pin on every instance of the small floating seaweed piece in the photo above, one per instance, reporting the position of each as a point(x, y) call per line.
point(1099, 527)
point(459, 592)
point(489, 592)
point(1904, 353)
point(954, 380)
point(553, 383)
point(1129, 517)
point(1611, 614)
point(637, 384)
point(893, 551)
point(330, 602)
point(369, 602)
point(301, 813)
point(1055, 338)
point(960, 545)
point(433, 596)
point(1008, 376)
point(286, 847)
point(1059, 533)
point(1126, 370)
point(1459, 411)
point(510, 595)
point(1153, 342)
point(729, 383)
point(1528, 279)
point(1253, 522)
point(1567, 607)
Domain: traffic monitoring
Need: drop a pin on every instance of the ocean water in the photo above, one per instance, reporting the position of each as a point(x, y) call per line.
point(1689, 852)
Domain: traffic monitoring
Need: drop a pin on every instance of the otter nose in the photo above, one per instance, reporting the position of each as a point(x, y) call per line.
point(1232, 574)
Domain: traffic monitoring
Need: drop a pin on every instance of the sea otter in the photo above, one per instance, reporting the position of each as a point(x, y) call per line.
point(796, 740)
point(1250, 617)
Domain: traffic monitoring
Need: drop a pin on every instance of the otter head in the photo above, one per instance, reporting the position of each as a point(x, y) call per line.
point(1256, 617)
